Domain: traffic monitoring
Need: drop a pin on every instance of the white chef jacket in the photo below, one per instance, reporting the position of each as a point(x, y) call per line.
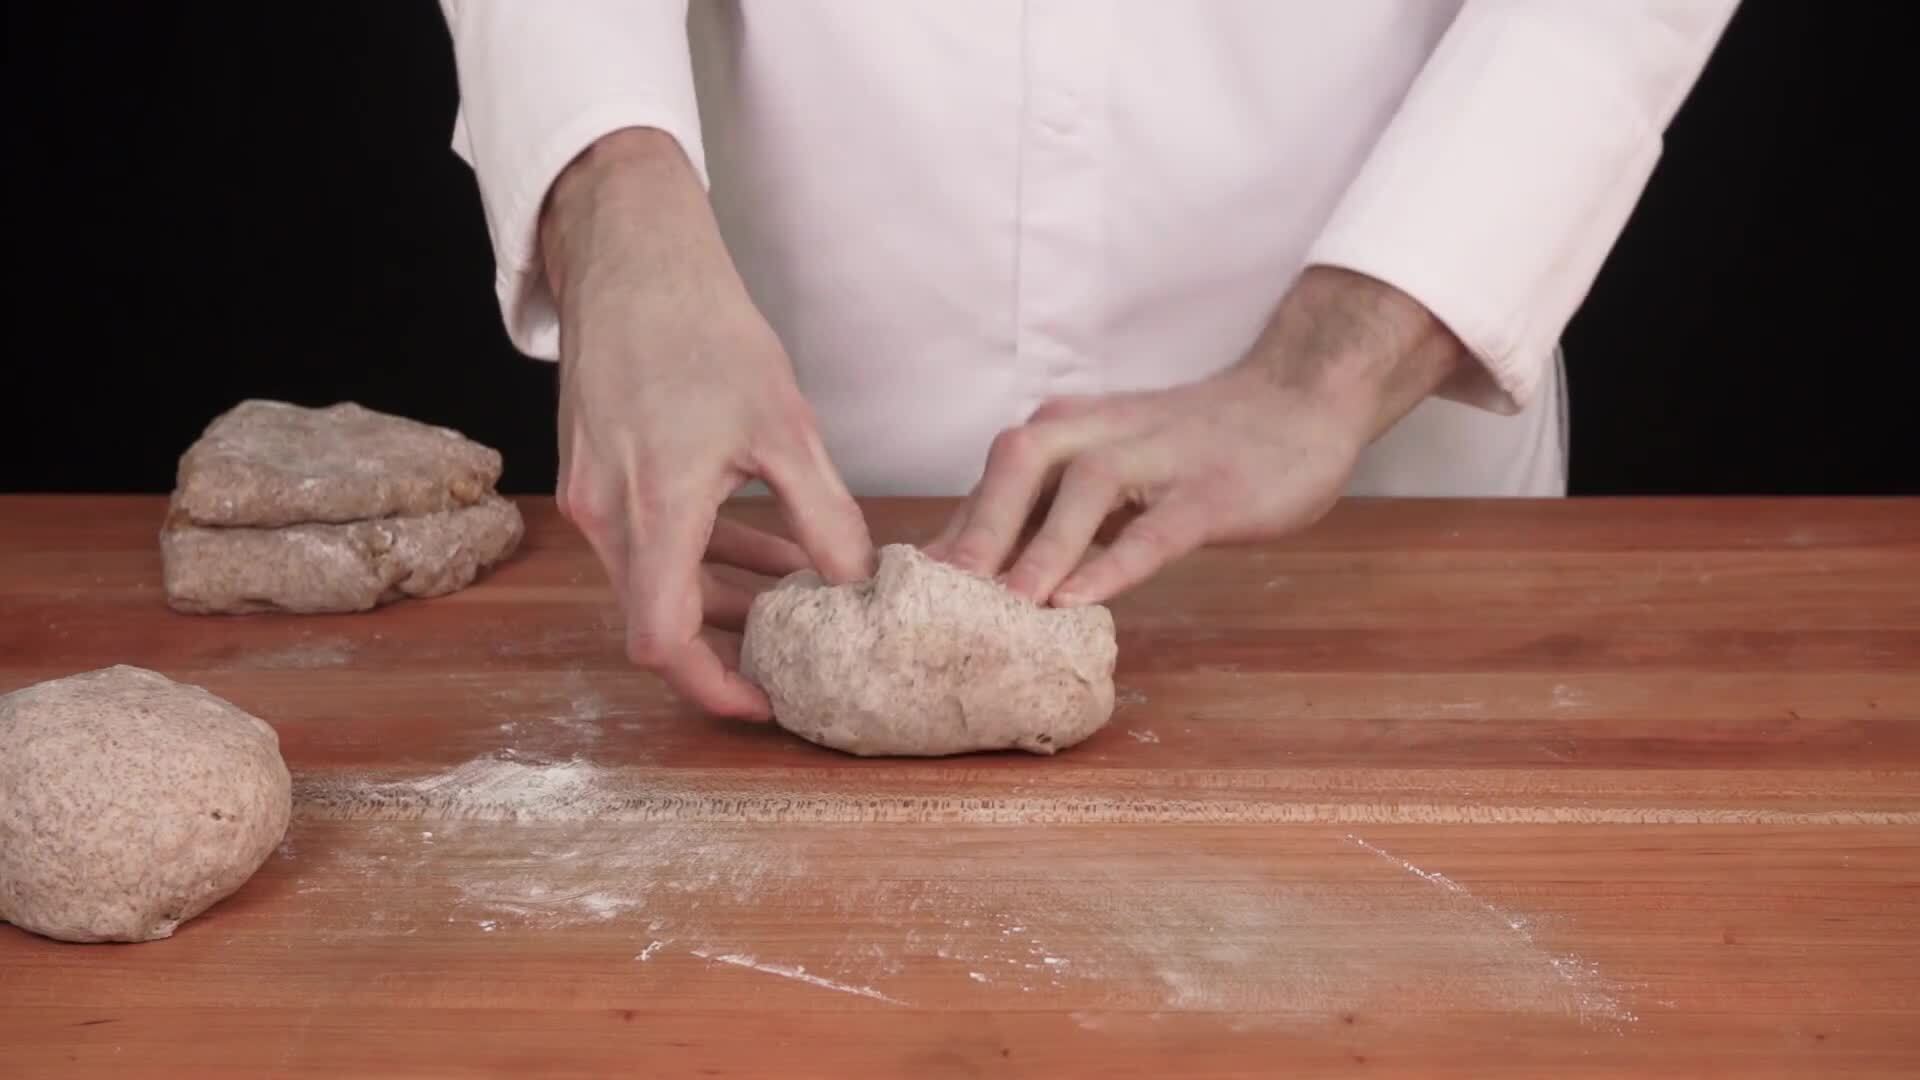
point(953, 211)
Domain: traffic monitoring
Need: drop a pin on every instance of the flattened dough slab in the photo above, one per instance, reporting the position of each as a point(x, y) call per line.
point(321, 568)
point(268, 463)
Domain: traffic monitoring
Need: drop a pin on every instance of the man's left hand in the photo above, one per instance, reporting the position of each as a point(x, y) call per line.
point(1257, 451)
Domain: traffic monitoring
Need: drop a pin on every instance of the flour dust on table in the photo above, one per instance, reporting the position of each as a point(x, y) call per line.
point(673, 867)
point(278, 507)
point(130, 803)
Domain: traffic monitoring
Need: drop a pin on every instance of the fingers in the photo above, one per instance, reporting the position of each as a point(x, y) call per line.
point(666, 599)
point(1024, 465)
point(941, 547)
point(663, 581)
point(1089, 490)
point(1020, 467)
point(676, 651)
point(942, 544)
point(724, 604)
point(698, 673)
point(735, 544)
point(1166, 531)
point(821, 512)
point(938, 547)
point(726, 646)
point(655, 570)
point(601, 518)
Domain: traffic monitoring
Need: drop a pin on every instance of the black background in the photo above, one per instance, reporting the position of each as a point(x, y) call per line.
point(218, 201)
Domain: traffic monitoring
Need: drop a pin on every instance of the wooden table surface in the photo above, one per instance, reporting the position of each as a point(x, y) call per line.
point(1444, 788)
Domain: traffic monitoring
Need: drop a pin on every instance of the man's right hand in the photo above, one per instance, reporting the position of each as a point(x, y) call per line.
point(674, 393)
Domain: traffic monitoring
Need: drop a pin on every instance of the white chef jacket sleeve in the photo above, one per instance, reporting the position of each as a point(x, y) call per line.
point(1511, 167)
point(539, 83)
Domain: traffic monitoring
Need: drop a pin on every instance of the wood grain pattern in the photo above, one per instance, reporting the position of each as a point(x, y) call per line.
point(1439, 788)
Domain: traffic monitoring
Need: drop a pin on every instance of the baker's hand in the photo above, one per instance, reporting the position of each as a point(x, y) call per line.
point(674, 393)
point(1257, 451)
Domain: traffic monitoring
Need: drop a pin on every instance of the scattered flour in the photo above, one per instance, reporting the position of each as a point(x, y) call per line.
point(524, 845)
point(548, 713)
point(798, 973)
point(579, 874)
point(1591, 998)
point(581, 709)
point(604, 635)
point(303, 656)
point(500, 787)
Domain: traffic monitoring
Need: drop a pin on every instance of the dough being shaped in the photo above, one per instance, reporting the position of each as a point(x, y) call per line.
point(335, 568)
point(925, 659)
point(130, 803)
point(267, 463)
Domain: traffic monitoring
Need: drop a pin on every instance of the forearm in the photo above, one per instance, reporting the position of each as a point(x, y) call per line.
point(1511, 166)
point(540, 83)
point(632, 204)
point(1357, 346)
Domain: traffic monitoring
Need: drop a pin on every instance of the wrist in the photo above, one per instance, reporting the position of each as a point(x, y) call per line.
point(631, 194)
point(617, 158)
point(1356, 346)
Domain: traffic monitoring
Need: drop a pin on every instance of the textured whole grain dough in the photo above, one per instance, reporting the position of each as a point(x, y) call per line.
point(334, 568)
point(266, 463)
point(130, 803)
point(924, 659)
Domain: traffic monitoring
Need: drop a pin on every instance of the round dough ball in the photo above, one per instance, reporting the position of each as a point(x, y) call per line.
point(925, 659)
point(129, 803)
